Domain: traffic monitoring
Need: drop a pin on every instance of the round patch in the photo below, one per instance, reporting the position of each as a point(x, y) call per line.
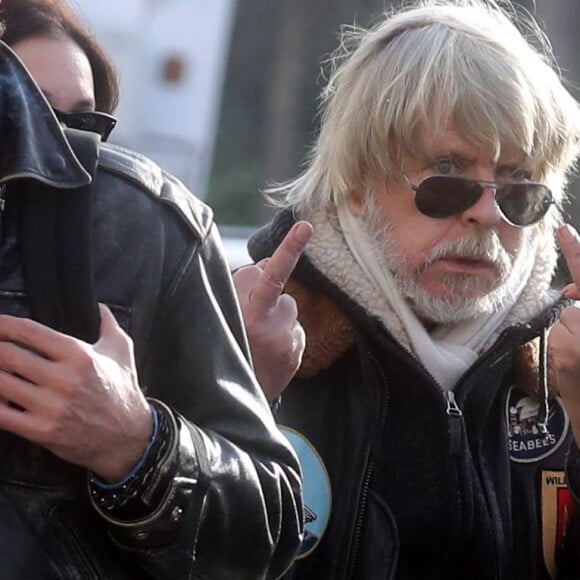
point(316, 488)
point(526, 441)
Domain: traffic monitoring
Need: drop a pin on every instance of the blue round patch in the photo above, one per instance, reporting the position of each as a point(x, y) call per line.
point(526, 441)
point(317, 491)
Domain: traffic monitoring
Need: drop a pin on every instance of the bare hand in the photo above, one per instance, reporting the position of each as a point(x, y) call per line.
point(276, 338)
point(80, 401)
point(564, 340)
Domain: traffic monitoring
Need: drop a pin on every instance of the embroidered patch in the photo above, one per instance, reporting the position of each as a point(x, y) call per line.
point(317, 491)
point(526, 442)
point(557, 511)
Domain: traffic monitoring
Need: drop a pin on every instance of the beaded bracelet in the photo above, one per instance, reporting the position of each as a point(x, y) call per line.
point(126, 499)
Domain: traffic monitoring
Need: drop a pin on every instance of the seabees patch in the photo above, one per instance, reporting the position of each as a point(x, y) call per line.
point(526, 442)
point(316, 491)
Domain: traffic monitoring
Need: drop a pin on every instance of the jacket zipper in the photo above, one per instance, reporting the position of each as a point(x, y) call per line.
point(369, 469)
point(492, 358)
point(455, 418)
point(455, 415)
point(361, 513)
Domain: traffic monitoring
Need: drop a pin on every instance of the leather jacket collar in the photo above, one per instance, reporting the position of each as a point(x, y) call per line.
point(33, 144)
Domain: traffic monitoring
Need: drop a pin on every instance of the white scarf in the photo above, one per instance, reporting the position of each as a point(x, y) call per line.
point(449, 351)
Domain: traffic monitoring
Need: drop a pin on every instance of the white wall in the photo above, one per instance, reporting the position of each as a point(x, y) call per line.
point(172, 122)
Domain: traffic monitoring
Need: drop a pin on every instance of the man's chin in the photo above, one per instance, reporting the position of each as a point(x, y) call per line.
point(461, 296)
point(452, 307)
point(457, 288)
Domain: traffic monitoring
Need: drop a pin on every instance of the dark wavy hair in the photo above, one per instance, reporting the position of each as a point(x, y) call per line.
point(24, 19)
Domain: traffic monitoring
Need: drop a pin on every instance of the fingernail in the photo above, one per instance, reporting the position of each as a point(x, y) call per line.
point(303, 232)
point(567, 233)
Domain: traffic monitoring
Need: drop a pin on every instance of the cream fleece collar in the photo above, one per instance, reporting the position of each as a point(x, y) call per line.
point(330, 253)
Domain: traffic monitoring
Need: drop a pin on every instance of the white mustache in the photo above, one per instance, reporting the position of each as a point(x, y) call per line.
point(487, 248)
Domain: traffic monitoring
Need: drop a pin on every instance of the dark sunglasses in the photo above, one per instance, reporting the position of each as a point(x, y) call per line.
point(101, 123)
point(443, 196)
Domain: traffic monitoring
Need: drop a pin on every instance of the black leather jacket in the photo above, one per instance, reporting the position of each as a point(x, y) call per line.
point(403, 482)
point(233, 508)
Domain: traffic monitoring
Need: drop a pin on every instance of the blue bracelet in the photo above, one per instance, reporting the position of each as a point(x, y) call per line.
point(100, 483)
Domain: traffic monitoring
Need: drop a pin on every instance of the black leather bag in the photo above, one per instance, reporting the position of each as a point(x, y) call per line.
point(56, 238)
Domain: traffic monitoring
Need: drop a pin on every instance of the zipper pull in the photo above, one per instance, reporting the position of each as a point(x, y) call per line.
point(455, 423)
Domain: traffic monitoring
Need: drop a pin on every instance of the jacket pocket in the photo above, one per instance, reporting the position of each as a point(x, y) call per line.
point(379, 546)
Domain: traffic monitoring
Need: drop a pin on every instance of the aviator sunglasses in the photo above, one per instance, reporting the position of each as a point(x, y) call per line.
point(442, 196)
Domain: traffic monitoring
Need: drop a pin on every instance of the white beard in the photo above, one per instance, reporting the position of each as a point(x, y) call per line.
point(459, 304)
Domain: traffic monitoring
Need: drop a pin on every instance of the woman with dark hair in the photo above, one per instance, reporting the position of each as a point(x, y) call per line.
point(65, 59)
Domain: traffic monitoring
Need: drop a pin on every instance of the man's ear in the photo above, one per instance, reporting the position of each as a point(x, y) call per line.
point(355, 201)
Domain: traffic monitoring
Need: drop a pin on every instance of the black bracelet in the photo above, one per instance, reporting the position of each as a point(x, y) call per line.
point(131, 498)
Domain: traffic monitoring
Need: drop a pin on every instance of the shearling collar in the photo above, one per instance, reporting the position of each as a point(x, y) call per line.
point(328, 284)
point(330, 254)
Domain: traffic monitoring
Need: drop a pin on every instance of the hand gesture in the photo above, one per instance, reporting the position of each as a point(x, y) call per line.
point(277, 340)
point(78, 400)
point(564, 339)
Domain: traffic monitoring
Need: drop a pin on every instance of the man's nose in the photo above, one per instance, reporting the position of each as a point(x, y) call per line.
point(485, 212)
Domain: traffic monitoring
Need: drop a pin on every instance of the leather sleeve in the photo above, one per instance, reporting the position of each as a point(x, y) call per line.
point(232, 507)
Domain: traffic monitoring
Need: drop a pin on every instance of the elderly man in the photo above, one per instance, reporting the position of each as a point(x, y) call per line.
point(437, 405)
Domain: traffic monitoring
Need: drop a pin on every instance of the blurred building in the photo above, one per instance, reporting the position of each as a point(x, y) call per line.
point(561, 20)
point(171, 58)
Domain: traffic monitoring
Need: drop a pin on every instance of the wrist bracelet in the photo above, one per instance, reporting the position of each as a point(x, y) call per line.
point(125, 499)
point(101, 484)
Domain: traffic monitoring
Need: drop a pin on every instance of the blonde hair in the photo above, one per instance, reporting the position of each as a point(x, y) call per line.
point(420, 67)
